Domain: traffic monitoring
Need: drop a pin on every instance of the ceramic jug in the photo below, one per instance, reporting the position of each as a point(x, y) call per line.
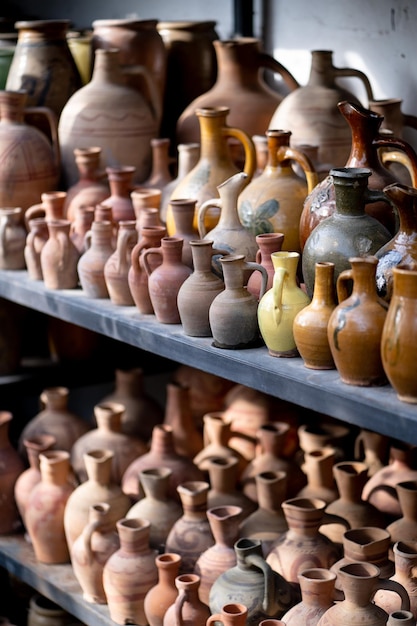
point(91, 264)
point(217, 433)
point(372, 448)
point(188, 609)
point(317, 587)
point(59, 257)
point(405, 527)
point(81, 225)
point(234, 614)
point(12, 467)
point(318, 468)
point(267, 244)
point(12, 239)
point(51, 206)
point(35, 240)
point(117, 266)
point(225, 486)
point(144, 198)
point(405, 558)
point(121, 184)
point(91, 187)
point(279, 306)
point(160, 597)
point(149, 237)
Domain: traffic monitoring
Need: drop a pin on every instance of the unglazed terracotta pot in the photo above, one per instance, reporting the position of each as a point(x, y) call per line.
point(267, 244)
point(183, 211)
point(160, 597)
point(59, 257)
point(317, 586)
point(160, 175)
point(401, 617)
point(51, 206)
point(231, 615)
point(91, 187)
point(149, 237)
point(35, 240)
point(12, 467)
point(91, 264)
point(121, 184)
point(372, 448)
point(318, 468)
point(188, 156)
point(44, 612)
point(405, 559)
point(117, 266)
point(188, 609)
point(224, 485)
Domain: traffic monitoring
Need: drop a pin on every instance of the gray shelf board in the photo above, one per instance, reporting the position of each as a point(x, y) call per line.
point(321, 391)
point(56, 582)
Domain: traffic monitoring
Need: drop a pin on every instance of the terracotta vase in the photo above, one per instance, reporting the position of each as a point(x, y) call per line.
point(317, 586)
point(31, 476)
point(161, 454)
point(233, 614)
point(303, 545)
point(318, 468)
point(399, 336)
point(91, 187)
point(273, 201)
point(372, 448)
point(216, 437)
point(156, 506)
point(233, 312)
point(405, 559)
point(116, 268)
point(268, 522)
point(90, 551)
point(267, 244)
point(56, 419)
point(130, 573)
point(310, 324)
point(165, 280)
point(239, 62)
point(160, 174)
point(59, 257)
point(224, 524)
point(99, 487)
point(224, 486)
point(188, 609)
point(280, 304)
point(360, 581)
point(46, 506)
point(43, 64)
point(12, 467)
point(311, 112)
point(44, 612)
point(270, 458)
point(355, 334)
point(104, 113)
point(12, 239)
point(35, 240)
point(405, 528)
point(188, 440)
point(191, 534)
point(160, 597)
point(150, 237)
point(366, 141)
point(107, 435)
point(198, 291)
point(253, 583)
point(22, 143)
point(51, 206)
point(91, 264)
point(121, 184)
point(215, 164)
point(188, 156)
point(80, 226)
point(183, 211)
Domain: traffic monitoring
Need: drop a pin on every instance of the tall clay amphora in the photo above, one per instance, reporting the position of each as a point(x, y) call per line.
point(160, 597)
point(30, 162)
point(311, 113)
point(35, 240)
point(355, 326)
point(12, 467)
point(399, 334)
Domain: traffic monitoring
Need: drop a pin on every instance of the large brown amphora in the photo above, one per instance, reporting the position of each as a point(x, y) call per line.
point(317, 587)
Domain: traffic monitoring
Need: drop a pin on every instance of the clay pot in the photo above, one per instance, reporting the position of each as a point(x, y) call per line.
point(157, 507)
point(98, 488)
point(59, 257)
point(81, 225)
point(130, 573)
point(12, 239)
point(45, 508)
point(191, 534)
point(405, 558)
point(35, 240)
point(11, 469)
point(91, 187)
point(90, 551)
point(405, 528)
point(116, 268)
point(188, 440)
point(183, 211)
point(224, 491)
point(160, 597)
point(51, 206)
point(188, 156)
point(150, 237)
point(267, 244)
point(160, 174)
point(90, 267)
point(187, 609)
point(318, 468)
point(216, 436)
point(161, 454)
point(231, 615)
point(121, 184)
point(317, 586)
point(107, 435)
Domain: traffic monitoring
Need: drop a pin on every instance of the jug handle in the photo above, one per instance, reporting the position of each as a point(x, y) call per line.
point(350, 72)
point(270, 63)
point(34, 211)
point(287, 153)
point(86, 539)
point(53, 125)
point(136, 253)
point(399, 144)
point(150, 85)
point(257, 561)
point(122, 249)
point(179, 603)
point(392, 585)
point(395, 156)
point(330, 518)
point(249, 147)
point(145, 261)
point(249, 265)
point(202, 212)
point(341, 288)
point(277, 288)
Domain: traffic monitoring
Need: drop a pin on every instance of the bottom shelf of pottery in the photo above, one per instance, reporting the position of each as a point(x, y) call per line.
point(56, 582)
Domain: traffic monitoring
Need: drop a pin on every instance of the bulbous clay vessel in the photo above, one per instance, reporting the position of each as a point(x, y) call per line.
point(91, 264)
point(317, 586)
point(12, 467)
point(188, 156)
point(121, 184)
point(44, 611)
point(81, 225)
point(160, 174)
point(91, 187)
point(188, 609)
point(116, 268)
point(371, 448)
point(160, 597)
point(51, 206)
point(318, 468)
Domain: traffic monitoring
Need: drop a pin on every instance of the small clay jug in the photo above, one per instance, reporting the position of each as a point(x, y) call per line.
point(35, 240)
point(149, 237)
point(317, 587)
point(198, 291)
point(188, 155)
point(405, 559)
point(160, 597)
point(165, 280)
point(231, 615)
point(107, 435)
point(188, 440)
point(372, 449)
point(233, 312)
point(12, 467)
point(90, 551)
point(160, 174)
point(91, 264)
point(273, 202)
point(59, 257)
point(405, 528)
point(318, 468)
point(91, 187)
point(280, 304)
point(130, 573)
point(80, 226)
point(117, 266)
point(224, 486)
point(161, 454)
point(12, 239)
point(121, 184)
point(359, 582)
point(224, 524)
point(188, 608)
point(191, 533)
point(267, 244)
point(99, 487)
point(45, 508)
point(183, 211)
point(253, 583)
point(216, 437)
point(51, 206)
point(157, 507)
point(355, 326)
point(310, 324)
point(399, 336)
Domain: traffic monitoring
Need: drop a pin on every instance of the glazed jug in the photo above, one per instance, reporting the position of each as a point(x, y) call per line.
point(273, 201)
point(233, 312)
point(355, 326)
point(317, 587)
point(267, 244)
point(188, 608)
point(91, 187)
point(349, 231)
point(160, 597)
point(12, 239)
point(91, 264)
point(399, 334)
point(12, 467)
point(35, 240)
point(117, 266)
point(59, 257)
point(38, 159)
point(279, 306)
point(149, 237)
point(311, 113)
